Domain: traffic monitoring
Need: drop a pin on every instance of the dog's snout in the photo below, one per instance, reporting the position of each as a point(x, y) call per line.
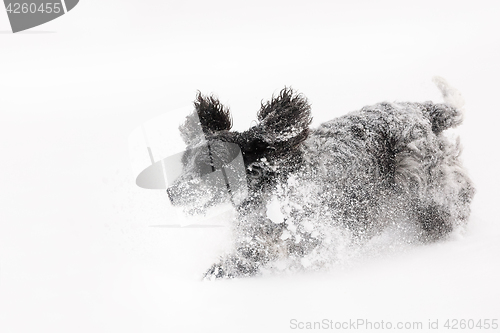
point(170, 196)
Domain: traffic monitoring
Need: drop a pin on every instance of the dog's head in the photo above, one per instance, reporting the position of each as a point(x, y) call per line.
point(270, 150)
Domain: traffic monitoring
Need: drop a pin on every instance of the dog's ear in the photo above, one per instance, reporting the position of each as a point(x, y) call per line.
point(213, 116)
point(285, 119)
point(210, 114)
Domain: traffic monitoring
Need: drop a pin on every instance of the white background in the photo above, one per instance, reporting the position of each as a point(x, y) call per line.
point(78, 252)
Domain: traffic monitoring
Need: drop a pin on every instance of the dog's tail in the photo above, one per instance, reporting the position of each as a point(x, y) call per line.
point(450, 114)
point(451, 95)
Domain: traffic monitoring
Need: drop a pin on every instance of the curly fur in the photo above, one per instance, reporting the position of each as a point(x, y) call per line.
point(349, 178)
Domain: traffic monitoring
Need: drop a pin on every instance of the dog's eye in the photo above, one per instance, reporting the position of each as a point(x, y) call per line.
point(255, 171)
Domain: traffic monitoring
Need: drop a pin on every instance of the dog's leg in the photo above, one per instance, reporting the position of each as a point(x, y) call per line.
point(441, 202)
point(257, 242)
point(434, 219)
point(445, 207)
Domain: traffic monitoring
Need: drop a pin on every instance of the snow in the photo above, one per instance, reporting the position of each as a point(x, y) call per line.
point(273, 210)
point(83, 249)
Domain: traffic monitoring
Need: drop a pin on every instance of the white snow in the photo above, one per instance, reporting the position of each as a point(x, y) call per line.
point(83, 249)
point(273, 210)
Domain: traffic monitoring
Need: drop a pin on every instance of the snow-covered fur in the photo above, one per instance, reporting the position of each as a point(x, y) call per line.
point(312, 190)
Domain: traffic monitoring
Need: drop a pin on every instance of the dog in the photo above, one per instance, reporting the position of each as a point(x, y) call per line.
point(310, 191)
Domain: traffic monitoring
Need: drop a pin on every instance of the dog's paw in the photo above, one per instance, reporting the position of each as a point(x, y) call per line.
point(232, 267)
point(216, 272)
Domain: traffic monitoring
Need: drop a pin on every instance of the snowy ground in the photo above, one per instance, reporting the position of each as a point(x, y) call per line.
point(81, 249)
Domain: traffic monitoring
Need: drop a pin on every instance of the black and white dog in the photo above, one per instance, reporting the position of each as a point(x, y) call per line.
point(309, 189)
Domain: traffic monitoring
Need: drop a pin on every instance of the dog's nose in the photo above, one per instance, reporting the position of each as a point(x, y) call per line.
point(170, 197)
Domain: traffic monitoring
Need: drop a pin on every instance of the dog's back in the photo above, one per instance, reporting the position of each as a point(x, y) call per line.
point(392, 157)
